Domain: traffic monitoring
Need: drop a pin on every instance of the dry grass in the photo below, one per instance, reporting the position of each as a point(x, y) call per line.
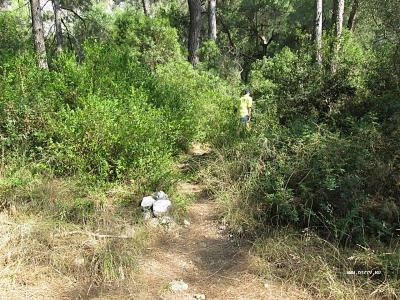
point(321, 267)
point(58, 236)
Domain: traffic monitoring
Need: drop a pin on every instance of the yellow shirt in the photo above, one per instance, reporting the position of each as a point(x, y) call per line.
point(245, 103)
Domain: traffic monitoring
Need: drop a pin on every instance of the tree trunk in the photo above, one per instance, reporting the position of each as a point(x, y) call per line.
point(212, 20)
point(194, 30)
point(57, 25)
point(38, 35)
point(147, 8)
point(339, 5)
point(353, 15)
point(318, 31)
point(339, 17)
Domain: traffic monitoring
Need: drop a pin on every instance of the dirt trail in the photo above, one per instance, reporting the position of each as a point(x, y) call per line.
point(203, 256)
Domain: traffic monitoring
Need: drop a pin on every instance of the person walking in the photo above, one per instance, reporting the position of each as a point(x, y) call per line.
point(244, 108)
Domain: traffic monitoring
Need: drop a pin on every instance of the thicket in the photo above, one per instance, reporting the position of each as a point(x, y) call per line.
point(124, 112)
point(322, 155)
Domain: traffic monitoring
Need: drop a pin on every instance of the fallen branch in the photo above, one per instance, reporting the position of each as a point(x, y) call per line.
point(97, 235)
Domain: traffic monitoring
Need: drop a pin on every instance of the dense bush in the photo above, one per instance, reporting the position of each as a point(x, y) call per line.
point(152, 40)
point(125, 111)
point(195, 102)
point(13, 36)
point(314, 159)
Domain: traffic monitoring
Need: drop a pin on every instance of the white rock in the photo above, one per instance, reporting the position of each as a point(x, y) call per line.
point(177, 286)
point(147, 215)
point(160, 196)
point(161, 207)
point(166, 220)
point(147, 202)
point(79, 261)
point(199, 297)
point(186, 223)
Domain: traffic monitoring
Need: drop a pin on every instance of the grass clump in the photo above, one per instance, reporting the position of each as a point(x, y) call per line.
point(326, 270)
point(67, 230)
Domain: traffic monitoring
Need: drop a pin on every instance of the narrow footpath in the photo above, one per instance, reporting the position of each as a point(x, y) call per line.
point(206, 257)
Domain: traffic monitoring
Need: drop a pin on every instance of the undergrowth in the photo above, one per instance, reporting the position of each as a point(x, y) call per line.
point(323, 268)
point(68, 230)
point(299, 255)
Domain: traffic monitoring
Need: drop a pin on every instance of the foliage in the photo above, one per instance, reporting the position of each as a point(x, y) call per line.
point(154, 41)
point(122, 113)
point(197, 106)
point(13, 36)
point(315, 154)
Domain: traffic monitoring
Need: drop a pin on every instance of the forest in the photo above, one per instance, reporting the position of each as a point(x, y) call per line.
point(102, 102)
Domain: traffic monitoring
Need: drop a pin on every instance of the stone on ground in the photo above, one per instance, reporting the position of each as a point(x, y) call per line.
point(147, 202)
point(186, 223)
point(177, 286)
point(161, 207)
point(161, 196)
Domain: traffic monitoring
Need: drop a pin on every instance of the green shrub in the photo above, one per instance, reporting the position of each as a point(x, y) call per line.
point(195, 102)
point(109, 137)
point(28, 100)
point(312, 158)
point(13, 36)
point(152, 40)
point(121, 113)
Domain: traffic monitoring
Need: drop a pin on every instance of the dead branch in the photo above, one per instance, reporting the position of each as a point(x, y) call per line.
point(92, 234)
